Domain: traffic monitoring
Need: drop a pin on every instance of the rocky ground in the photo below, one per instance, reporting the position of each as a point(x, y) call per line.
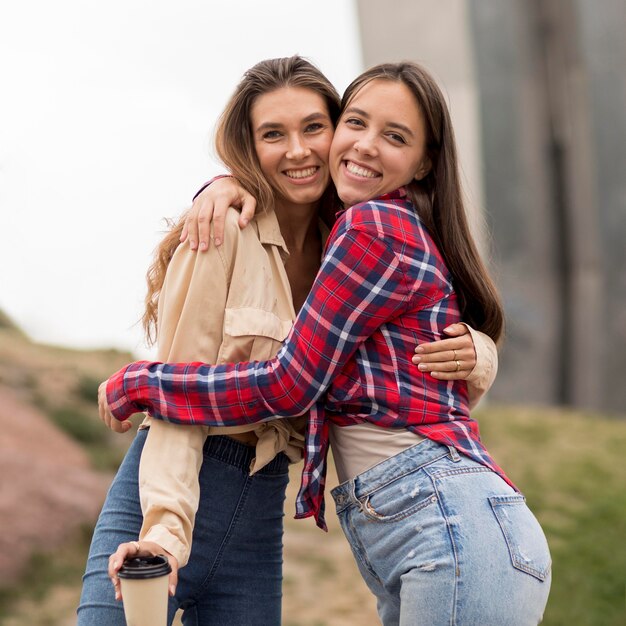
point(47, 489)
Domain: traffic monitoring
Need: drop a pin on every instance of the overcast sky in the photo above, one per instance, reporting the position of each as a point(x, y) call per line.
point(106, 118)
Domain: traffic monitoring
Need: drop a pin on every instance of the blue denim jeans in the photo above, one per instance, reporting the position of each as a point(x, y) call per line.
point(234, 573)
point(442, 540)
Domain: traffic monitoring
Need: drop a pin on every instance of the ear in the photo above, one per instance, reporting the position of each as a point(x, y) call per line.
point(423, 170)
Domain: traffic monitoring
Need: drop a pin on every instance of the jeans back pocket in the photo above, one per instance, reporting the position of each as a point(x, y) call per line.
point(523, 535)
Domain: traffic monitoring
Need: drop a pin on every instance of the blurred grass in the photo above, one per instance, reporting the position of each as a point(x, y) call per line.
point(570, 465)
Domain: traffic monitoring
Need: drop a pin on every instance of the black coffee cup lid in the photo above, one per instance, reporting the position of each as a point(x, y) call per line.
point(145, 567)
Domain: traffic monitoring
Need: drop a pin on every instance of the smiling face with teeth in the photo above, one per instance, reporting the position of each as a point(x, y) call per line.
point(380, 142)
point(292, 135)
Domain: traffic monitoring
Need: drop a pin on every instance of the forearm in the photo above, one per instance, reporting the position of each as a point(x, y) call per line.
point(170, 493)
point(200, 394)
point(339, 314)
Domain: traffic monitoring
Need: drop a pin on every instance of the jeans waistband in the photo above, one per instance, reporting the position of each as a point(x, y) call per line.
point(390, 469)
point(240, 455)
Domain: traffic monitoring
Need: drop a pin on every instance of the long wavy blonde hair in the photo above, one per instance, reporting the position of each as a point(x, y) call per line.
point(234, 145)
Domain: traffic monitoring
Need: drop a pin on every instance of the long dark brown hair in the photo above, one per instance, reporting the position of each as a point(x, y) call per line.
point(234, 144)
point(438, 198)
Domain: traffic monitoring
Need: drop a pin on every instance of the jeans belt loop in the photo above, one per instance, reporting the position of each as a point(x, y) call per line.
point(353, 494)
point(454, 454)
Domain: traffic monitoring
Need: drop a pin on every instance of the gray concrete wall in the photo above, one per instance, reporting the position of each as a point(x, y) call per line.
point(602, 35)
point(574, 56)
point(398, 30)
point(538, 96)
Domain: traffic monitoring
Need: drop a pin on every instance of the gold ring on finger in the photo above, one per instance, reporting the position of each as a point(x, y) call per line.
point(458, 366)
point(454, 353)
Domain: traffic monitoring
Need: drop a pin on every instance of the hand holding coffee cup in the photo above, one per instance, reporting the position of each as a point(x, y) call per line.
point(144, 587)
point(126, 551)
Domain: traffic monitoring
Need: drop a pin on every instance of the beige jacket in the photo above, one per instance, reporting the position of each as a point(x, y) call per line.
point(232, 303)
point(229, 304)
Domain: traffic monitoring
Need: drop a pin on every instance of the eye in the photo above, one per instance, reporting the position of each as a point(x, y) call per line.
point(396, 138)
point(354, 121)
point(271, 135)
point(314, 127)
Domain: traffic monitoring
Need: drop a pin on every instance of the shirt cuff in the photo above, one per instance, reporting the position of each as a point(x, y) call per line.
point(484, 373)
point(209, 182)
point(170, 542)
point(120, 402)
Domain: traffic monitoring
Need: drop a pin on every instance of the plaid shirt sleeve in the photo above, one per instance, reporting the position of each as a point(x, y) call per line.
point(360, 286)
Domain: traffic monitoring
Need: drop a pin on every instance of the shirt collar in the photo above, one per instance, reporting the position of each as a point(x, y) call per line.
point(269, 230)
point(396, 194)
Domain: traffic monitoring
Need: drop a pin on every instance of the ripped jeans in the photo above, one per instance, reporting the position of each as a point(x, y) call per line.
point(442, 540)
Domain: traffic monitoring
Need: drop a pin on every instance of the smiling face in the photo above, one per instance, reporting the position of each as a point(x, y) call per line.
point(292, 134)
point(379, 144)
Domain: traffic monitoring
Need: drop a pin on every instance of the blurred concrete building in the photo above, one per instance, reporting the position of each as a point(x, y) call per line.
point(537, 91)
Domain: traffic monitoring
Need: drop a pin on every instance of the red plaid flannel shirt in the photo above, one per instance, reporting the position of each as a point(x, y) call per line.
point(382, 288)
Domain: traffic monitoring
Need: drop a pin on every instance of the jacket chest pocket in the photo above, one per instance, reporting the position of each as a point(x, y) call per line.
point(252, 334)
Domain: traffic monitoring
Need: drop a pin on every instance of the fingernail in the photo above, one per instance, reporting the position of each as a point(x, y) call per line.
point(416, 359)
point(172, 590)
point(435, 374)
point(419, 349)
point(218, 241)
point(193, 245)
point(244, 221)
point(448, 329)
point(422, 367)
point(203, 245)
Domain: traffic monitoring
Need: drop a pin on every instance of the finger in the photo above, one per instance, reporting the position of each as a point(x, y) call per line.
point(446, 366)
point(436, 357)
point(456, 330)
point(248, 208)
point(462, 374)
point(173, 581)
point(454, 343)
point(117, 588)
point(191, 224)
point(102, 410)
point(102, 400)
point(119, 427)
point(219, 219)
point(184, 233)
point(116, 560)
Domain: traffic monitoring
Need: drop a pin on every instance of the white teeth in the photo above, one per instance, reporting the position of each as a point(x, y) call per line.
point(353, 168)
point(309, 171)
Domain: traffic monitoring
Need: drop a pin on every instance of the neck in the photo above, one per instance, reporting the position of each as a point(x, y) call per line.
point(296, 222)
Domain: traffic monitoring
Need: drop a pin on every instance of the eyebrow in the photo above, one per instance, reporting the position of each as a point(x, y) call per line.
point(309, 118)
point(366, 115)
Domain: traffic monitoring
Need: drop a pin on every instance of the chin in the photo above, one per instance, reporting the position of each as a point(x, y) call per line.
point(349, 199)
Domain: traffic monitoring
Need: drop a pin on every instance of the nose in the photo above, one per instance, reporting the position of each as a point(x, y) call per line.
point(297, 148)
point(366, 144)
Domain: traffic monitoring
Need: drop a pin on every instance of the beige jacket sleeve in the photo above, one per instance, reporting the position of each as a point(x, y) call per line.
point(484, 373)
point(190, 328)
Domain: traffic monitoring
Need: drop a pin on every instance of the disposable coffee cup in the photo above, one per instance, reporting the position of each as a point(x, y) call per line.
point(144, 583)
